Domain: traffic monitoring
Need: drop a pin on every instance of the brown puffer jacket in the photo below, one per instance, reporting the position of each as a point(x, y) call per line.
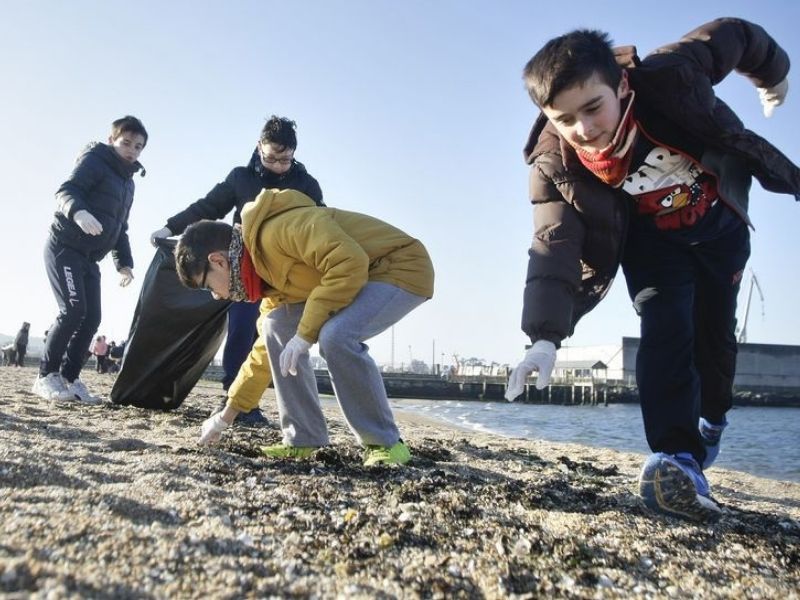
point(580, 222)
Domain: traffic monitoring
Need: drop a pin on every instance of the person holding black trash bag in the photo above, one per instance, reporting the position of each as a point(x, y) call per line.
point(271, 166)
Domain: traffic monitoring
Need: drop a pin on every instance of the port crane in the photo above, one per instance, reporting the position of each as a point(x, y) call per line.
point(742, 336)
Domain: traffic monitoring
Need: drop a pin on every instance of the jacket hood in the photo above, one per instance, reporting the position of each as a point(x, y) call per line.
point(266, 205)
point(537, 143)
point(109, 155)
point(543, 140)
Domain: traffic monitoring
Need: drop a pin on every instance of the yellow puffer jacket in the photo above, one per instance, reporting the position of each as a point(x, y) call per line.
point(323, 257)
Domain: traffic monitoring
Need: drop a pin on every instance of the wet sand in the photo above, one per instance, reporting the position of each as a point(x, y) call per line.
point(120, 502)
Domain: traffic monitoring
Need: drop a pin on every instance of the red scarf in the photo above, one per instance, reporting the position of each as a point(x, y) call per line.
point(253, 284)
point(611, 164)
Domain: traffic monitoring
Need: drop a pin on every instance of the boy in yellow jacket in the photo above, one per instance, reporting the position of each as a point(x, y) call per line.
point(325, 276)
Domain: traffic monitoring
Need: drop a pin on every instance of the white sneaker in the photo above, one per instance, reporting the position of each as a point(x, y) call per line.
point(52, 387)
point(78, 391)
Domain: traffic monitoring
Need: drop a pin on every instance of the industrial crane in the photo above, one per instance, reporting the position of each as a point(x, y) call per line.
point(742, 337)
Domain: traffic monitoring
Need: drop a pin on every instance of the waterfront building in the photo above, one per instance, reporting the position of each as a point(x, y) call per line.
point(760, 367)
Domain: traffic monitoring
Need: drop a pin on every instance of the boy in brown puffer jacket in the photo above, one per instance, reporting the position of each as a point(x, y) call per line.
point(638, 163)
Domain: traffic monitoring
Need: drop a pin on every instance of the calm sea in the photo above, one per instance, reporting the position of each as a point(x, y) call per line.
point(761, 441)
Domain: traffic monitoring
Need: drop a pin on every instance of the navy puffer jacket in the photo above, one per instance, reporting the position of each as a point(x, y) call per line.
point(102, 184)
point(241, 186)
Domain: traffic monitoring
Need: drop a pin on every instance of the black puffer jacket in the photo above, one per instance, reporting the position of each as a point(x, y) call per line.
point(102, 184)
point(241, 186)
point(580, 223)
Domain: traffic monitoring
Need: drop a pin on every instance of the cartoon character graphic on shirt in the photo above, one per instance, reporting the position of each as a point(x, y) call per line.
point(671, 188)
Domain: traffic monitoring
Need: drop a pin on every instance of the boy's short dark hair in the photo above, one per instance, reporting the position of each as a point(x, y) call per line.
point(279, 131)
point(198, 241)
point(128, 124)
point(569, 60)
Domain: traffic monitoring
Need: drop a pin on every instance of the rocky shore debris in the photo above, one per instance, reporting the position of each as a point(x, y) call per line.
point(119, 502)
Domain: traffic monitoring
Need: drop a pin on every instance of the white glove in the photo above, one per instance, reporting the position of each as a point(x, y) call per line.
point(540, 357)
point(126, 276)
point(773, 96)
point(211, 429)
point(87, 222)
point(296, 347)
point(162, 233)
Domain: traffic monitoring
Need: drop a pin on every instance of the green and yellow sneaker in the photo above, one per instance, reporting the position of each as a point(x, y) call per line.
point(383, 455)
point(284, 451)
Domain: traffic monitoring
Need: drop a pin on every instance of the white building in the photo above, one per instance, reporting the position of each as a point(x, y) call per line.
point(770, 366)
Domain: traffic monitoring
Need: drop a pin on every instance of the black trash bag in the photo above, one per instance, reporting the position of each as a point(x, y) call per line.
point(175, 333)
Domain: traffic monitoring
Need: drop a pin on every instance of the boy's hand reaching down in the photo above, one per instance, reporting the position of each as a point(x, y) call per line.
point(540, 357)
point(211, 429)
point(773, 96)
point(291, 354)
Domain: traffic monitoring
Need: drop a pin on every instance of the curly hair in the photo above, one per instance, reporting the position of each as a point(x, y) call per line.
point(279, 131)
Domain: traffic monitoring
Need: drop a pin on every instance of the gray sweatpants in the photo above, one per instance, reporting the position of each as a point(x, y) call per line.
point(356, 379)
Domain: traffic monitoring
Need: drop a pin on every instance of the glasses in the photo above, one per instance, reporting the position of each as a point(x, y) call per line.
point(275, 161)
point(279, 161)
point(203, 280)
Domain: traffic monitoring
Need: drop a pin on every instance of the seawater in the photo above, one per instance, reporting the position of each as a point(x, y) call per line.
point(762, 441)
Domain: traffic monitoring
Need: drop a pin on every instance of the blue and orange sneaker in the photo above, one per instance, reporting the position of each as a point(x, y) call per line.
point(674, 485)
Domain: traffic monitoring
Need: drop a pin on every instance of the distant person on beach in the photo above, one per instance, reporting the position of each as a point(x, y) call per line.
point(114, 356)
point(9, 355)
point(91, 220)
point(21, 343)
point(331, 276)
point(271, 166)
point(99, 349)
point(637, 162)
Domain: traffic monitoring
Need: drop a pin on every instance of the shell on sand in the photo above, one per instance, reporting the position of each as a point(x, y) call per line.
point(110, 501)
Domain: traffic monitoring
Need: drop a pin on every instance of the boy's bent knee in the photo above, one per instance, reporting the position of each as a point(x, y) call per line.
point(333, 338)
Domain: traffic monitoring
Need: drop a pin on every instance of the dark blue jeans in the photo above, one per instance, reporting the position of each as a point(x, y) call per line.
point(242, 332)
point(685, 295)
point(75, 281)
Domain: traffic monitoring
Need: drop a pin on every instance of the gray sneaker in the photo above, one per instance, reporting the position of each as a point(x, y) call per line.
point(51, 387)
point(80, 393)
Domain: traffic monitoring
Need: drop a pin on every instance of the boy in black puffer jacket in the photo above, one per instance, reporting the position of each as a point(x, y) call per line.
point(91, 220)
point(271, 166)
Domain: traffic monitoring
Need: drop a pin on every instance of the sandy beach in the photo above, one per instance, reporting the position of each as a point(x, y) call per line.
point(120, 502)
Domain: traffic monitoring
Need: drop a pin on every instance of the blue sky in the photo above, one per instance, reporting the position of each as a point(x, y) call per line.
point(411, 111)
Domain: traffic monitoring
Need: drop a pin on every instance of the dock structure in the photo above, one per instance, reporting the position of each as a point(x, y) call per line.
point(585, 390)
point(767, 375)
